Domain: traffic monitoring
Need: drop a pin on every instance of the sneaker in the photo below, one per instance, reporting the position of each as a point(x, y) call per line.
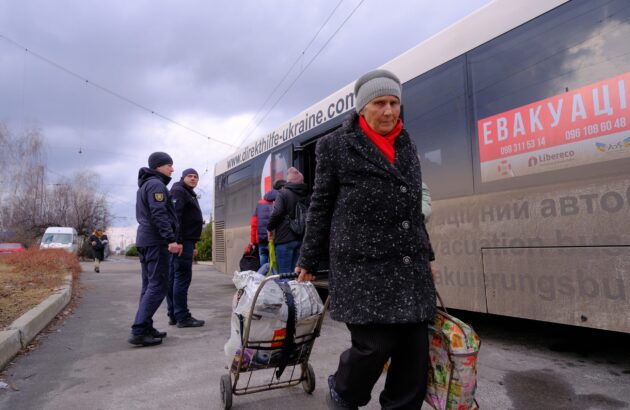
point(190, 322)
point(333, 400)
point(156, 333)
point(172, 321)
point(144, 340)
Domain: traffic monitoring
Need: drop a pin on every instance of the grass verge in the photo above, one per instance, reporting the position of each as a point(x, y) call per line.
point(27, 278)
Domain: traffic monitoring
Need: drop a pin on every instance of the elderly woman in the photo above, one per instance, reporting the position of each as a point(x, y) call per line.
point(367, 204)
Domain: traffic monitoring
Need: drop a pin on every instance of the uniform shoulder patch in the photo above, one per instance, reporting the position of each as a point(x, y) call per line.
point(159, 196)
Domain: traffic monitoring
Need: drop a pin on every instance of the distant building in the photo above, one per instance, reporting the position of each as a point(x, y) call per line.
point(121, 237)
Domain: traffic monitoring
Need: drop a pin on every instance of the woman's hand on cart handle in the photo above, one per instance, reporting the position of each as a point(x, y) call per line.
point(303, 274)
point(288, 275)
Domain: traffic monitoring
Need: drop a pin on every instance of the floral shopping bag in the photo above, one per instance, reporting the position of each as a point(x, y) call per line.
point(453, 350)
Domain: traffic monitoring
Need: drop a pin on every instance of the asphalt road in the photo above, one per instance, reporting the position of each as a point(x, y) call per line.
point(86, 363)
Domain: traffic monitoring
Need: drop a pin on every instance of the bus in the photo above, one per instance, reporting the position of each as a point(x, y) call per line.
point(520, 112)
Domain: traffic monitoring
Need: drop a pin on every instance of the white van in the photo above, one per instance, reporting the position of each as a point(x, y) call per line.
point(60, 237)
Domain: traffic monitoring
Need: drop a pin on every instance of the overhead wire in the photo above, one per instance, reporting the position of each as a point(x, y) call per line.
point(287, 73)
point(113, 93)
point(302, 71)
point(83, 114)
point(23, 93)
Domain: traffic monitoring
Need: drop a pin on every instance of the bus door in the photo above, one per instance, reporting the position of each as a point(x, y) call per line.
point(220, 197)
point(304, 160)
point(238, 206)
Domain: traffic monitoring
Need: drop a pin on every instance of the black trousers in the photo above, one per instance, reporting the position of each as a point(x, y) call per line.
point(154, 261)
point(179, 278)
point(372, 345)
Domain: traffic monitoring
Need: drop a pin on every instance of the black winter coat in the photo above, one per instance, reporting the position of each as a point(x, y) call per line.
point(285, 205)
point(188, 212)
point(371, 211)
point(98, 250)
point(154, 210)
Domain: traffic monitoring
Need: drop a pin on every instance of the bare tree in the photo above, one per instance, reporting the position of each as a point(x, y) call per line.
point(81, 206)
point(22, 188)
point(28, 205)
point(5, 145)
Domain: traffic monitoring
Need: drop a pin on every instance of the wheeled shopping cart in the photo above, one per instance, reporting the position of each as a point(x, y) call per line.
point(272, 364)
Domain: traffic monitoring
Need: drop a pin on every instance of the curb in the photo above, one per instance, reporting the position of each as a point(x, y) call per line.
point(24, 329)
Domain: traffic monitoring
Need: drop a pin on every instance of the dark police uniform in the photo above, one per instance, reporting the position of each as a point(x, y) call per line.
point(158, 227)
point(190, 221)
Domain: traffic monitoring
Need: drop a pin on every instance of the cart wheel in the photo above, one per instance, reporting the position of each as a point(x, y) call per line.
point(308, 384)
point(226, 391)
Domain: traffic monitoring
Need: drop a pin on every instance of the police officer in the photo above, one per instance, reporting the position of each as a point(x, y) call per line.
point(156, 237)
point(190, 222)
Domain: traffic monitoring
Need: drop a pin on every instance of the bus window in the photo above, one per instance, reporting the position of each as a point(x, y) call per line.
point(239, 197)
point(435, 116)
point(220, 185)
point(275, 168)
point(552, 96)
point(238, 176)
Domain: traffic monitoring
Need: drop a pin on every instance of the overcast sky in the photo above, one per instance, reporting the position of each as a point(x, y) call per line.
point(209, 65)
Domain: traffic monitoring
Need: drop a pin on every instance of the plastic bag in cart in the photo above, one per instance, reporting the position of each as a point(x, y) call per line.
point(270, 302)
point(264, 329)
point(269, 320)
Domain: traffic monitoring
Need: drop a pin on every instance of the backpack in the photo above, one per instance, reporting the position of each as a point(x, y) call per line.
point(250, 259)
point(298, 223)
point(453, 350)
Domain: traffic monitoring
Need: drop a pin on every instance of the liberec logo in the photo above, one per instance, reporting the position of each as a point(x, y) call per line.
point(532, 162)
point(601, 147)
point(550, 158)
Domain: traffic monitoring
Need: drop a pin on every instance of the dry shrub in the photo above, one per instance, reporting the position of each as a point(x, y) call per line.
point(27, 278)
point(43, 263)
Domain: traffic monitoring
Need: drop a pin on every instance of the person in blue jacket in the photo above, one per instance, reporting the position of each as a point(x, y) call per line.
point(155, 239)
point(260, 219)
point(190, 225)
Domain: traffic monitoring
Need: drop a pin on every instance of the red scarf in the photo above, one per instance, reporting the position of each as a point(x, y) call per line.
point(385, 143)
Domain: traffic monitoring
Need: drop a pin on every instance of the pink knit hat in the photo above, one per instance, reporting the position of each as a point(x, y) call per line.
point(294, 176)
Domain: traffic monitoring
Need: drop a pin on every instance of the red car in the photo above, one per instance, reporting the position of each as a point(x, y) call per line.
point(7, 248)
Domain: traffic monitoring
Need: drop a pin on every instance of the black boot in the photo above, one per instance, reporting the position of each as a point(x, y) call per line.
point(190, 322)
point(333, 401)
point(156, 333)
point(171, 320)
point(144, 340)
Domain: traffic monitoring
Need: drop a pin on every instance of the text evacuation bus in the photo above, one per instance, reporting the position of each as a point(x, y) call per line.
point(521, 116)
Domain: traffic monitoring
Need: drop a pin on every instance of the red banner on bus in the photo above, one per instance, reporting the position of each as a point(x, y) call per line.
point(557, 125)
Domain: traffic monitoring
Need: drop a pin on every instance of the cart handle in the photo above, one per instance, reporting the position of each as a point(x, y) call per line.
point(288, 275)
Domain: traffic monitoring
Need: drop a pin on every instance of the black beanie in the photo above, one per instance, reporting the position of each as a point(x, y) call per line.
point(279, 184)
point(189, 171)
point(157, 159)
